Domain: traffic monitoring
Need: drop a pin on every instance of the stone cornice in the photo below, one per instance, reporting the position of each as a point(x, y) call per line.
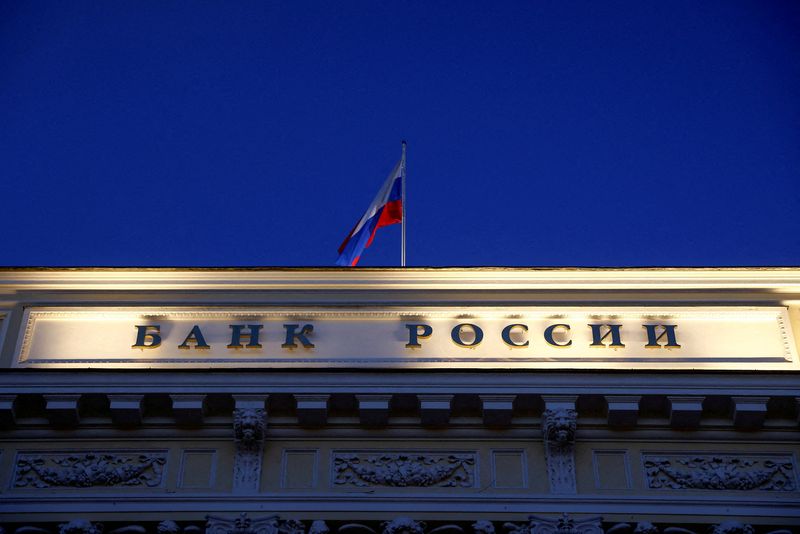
point(764, 279)
point(405, 382)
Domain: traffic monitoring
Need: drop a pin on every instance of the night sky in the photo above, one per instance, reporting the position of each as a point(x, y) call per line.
point(539, 133)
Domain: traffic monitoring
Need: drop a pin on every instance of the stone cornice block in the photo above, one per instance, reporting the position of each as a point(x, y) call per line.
point(685, 412)
point(8, 411)
point(434, 410)
point(250, 402)
point(559, 402)
point(373, 410)
point(62, 410)
point(188, 409)
point(126, 410)
point(797, 404)
point(497, 410)
point(312, 409)
point(622, 411)
point(749, 413)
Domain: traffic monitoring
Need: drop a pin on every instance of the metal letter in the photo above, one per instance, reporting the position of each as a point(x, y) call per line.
point(196, 337)
point(252, 336)
point(653, 340)
point(455, 334)
point(507, 335)
point(414, 333)
point(291, 335)
point(143, 336)
point(597, 339)
point(548, 335)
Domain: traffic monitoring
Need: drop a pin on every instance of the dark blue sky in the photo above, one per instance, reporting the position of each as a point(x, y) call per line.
point(540, 133)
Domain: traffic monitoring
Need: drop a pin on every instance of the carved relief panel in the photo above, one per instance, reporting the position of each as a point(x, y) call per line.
point(87, 469)
point(726, 472)
point(398, 469)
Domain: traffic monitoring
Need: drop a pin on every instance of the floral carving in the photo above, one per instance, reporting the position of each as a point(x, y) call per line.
point(319, 527)
point(720, 473)
point(405, 469)
point(89, 469)
point(563, 525)
point(245, 525)
point(642, 527)
point(168, 527)
point(483, 527)
point(403, 525)
point(80, 526)
point(732, 527)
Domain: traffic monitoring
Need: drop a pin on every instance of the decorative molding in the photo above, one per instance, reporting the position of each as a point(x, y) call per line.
point(642, 527)
point(732, 527)
point(168, 526)
point(720, 472)
point(562, 525)
point(408, 278)
point(80, 526)
point(727, 527)
point(245, 525)
point(403, 525)
point(249, 430)
point(419, 469)
point(318, 526)
point(89, 469)
point(558, 429)
point(399, 525)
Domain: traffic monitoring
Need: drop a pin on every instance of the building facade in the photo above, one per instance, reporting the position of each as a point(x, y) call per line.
point(417, 401)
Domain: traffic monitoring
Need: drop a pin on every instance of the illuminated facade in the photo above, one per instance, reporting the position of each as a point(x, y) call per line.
point(302, 401)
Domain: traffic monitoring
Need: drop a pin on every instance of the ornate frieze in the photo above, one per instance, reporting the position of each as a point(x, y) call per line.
point(720, 472)
point(80, 526)
point(274, 524)
point(319, 527)
point(168, 526)
point(732, 527)
point(563, 525)
point(403, 525)
point(483, 527)
point(245, 525)
point(404, 469)
point(89, 469)
point(728, 527)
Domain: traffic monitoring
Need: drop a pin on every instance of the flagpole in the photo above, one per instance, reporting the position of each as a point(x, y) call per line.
point(403, 225)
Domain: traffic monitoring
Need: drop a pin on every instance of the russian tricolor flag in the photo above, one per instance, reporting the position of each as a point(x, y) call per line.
point(386, 209)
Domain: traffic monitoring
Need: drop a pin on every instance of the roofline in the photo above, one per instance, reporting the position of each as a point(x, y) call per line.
point(490, 268)
point(766, 279)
